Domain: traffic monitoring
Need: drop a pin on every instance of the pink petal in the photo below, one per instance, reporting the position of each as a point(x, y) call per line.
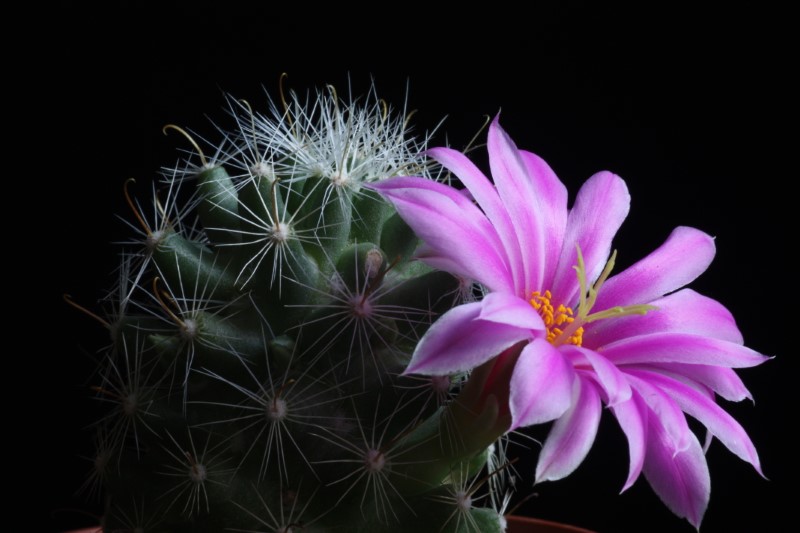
point(521, 201)
point(486, 195)
point(452, 226)
point(541, 386)
point(607, 375)
point(600, 208)
point(431, 257)
point(508, 309)
point(632, 417)
point(723, 381)
point(685, 254)
point(681, 481)
point(719, 423)
point(572, 435)
point(681, 348)
point(553, 197)
point(669, 414)
point(684, 311)
point(459, 341)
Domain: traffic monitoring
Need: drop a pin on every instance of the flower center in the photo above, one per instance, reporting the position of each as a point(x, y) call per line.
point(564, 326)
point(556, 319)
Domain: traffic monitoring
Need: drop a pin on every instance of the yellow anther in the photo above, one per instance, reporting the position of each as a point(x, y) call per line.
point(554, 317)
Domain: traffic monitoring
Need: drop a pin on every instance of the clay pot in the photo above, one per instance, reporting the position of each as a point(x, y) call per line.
point(523, 524)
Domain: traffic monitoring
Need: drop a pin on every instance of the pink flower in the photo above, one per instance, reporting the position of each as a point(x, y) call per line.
point(627, 341)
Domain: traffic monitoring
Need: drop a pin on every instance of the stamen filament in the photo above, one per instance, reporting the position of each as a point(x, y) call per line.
point(620, 311)
point(588, 297)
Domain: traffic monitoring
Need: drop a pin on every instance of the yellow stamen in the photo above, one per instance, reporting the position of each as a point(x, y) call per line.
point(554, 318)
point(563, 326)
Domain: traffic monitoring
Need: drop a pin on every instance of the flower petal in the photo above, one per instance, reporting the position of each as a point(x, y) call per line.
point(685, 254)
point(572, 435)
point(681, 348)
point(508, 309)
point(723, 381)
point(719, 423)
point(632, 417)
point(486, 195)
point(607, 375)
point(523, 205)
point(553, 197)
point(685, 311)
point(431, 257)
point(681, 481)
point(600, 208)
point(452, 226)
point(459, 341)
point(670, 417)
point(541, 386)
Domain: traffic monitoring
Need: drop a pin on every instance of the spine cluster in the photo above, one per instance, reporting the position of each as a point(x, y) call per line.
point(264, 313)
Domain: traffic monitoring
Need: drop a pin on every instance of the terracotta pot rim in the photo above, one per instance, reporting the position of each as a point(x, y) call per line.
point(559, 526)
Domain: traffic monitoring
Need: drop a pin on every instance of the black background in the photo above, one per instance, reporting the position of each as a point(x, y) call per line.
point(686, 106)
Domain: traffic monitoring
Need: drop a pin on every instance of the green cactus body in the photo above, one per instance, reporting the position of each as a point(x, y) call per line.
point(258, 341)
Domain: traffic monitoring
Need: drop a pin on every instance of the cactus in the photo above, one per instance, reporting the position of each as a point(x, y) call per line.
point(262, 319)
